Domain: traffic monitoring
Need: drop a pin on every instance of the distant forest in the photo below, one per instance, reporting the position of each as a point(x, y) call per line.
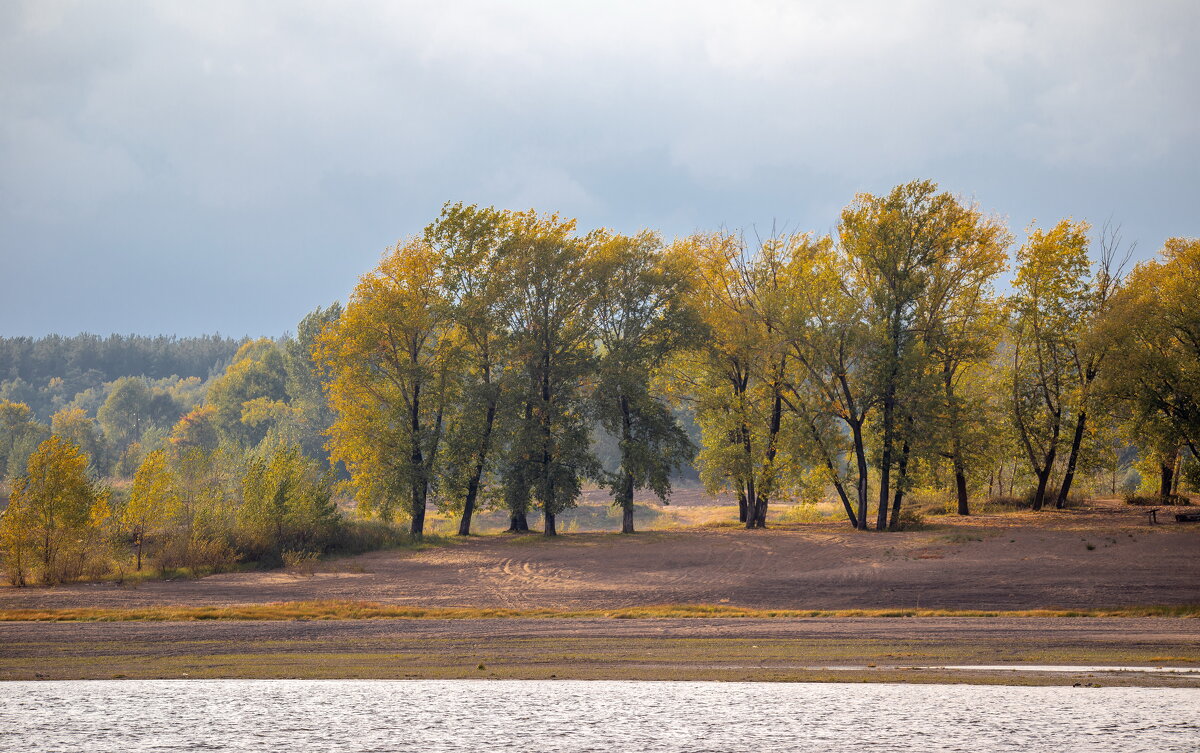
point(47, 373)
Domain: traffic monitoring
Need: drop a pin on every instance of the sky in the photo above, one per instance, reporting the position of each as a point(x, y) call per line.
point(198, 167)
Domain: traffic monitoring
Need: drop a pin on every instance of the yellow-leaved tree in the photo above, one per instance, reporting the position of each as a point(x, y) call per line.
point(55, 515)
point(152, 501)
point(391, 359)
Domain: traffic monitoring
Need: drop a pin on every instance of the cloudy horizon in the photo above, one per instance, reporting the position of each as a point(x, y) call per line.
point(191, 168)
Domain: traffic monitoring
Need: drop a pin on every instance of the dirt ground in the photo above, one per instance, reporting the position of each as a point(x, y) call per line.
point(1104, 555)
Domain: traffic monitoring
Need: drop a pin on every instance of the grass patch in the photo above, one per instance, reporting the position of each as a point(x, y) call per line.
point(354, 610)
point(961, 538)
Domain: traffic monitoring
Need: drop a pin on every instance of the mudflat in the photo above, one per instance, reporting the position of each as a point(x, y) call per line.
point(812, 649)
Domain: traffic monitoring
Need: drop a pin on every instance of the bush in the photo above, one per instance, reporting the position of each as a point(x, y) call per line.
point(911, 519)
point(801, 513)
point(199, 556)
point(300, 562)
point(358, 536)
point(1152, 500)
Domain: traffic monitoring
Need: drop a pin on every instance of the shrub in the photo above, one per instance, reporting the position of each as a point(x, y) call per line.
point(911, 519)
point(804, 512)
point(1154, 499)
point(300, 562)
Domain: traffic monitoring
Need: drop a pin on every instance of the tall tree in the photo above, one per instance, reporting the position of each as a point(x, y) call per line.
point(75, 425)
point(960, 319)
point(1090, 348)
point(641, 321)
point(828, 336)
point(252, 393)
point(153, 499)
point(552, 340)
point(1050, 301)
point(306, 379)
point(896, 246)
point(738, 368)
point(391, 356)
point(471, 242)
point(1154, 323)
point(20, 434)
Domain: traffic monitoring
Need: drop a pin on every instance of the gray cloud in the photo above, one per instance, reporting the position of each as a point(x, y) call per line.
point(185, 167)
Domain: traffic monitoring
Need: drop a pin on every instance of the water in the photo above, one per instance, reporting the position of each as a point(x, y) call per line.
point(527, 716)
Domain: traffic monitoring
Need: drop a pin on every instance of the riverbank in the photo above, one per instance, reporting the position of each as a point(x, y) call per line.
point(1100, 557)
point(833, 649)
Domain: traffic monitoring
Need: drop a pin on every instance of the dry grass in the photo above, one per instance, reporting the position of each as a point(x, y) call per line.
point(350, 610)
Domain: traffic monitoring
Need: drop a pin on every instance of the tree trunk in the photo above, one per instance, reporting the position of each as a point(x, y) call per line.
point(960, 483)
point(518, 498)
point(139, 553)
point(860, 453)
point(626, 499)
point(901, 479)
point(741, 492)
point(833, 474)
point(464, 525)
point(418, 465)
point(1043, 477)
point(760, 518)
point(518, 522)
point(550, 529)
point(885, 460)
point(1166, 479)
point(1071, 460)
point(764, 494)
point(418, 513)
point(751, 497)
point(960, 471)
point(889, 419)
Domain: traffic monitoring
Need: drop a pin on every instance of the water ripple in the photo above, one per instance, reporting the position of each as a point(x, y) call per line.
point(580, 717)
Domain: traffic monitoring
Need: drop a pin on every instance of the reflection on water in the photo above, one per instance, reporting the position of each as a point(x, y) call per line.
point(482, 715)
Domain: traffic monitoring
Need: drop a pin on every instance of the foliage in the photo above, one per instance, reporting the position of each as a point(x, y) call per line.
point(54, 509)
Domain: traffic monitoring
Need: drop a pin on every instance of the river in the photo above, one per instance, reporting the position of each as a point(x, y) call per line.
point(561, 716)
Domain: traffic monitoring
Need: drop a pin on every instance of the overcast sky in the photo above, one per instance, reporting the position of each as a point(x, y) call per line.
point(191, 167)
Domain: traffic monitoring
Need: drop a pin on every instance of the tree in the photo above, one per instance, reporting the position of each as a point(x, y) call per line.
point(75, 425)
point(1091, 347)
point(252, 393)
point(20, 434)
point(641, 321)
point(306, 380)
point(899, 248)
point(130, 409)
point(551, 325)
point(826, 331)
point(960, 319)
point(737, 370)
point(1051, 300)
point(196, 430)
point(392, 360)
point(51, 506)
point(1154, 323)
point(472, 243)
point(287, 504)
point(153, 500)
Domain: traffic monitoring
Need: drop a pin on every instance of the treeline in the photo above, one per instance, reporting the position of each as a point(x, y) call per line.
point(37, 360)
point(503, 360)
point(48, 373)
point(469, 364)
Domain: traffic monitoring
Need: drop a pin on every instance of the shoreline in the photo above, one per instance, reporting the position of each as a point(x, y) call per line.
point(1009, 651)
